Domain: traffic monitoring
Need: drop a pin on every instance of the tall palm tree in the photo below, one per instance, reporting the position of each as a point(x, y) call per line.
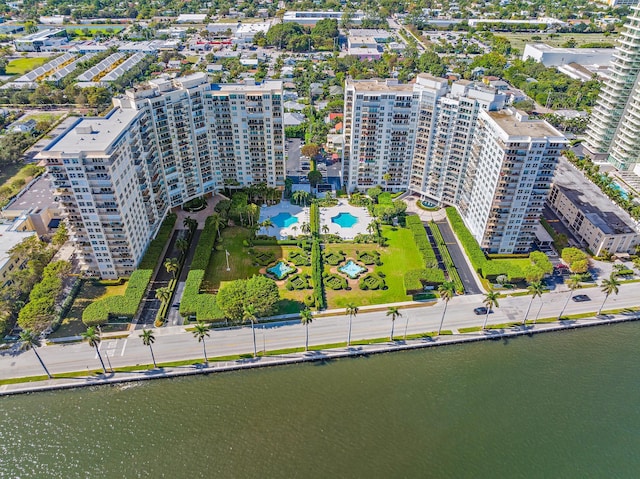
point(306, 318)
point(490, 300)
point(249, 314)
point(93, 339)
point(30, 340)
point(216, 219)
point(325, 229)
point(163, 294)
point(394, 313)
point(148, 339)
point(172, 266)
point(536, 289)
point(609, 286)
point(182, 245)
point(201, 331)
point(252, 210)
point(573, 283)
point(352, 311)
point(447, 290)
point(305, 228)
point(298, 196)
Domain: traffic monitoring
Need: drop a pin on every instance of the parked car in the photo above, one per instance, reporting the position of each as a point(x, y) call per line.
point(581, 298)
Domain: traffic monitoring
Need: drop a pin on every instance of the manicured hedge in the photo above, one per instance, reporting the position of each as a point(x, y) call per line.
point(316, 275)
point(334, 258)
point(205, 245)
point(492, 269)
point(335, 282)
point(452, 272)
point(101, 311)
point(155, 248)
point(299, 258)
point(314, 219)
point(414, 223)
point(415, 279)
point(372, 281)
point(193, 303)
point(298, 281)
point(469, 243)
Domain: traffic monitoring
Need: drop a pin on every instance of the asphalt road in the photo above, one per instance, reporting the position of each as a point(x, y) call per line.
point(459, 260)
point(174, 343)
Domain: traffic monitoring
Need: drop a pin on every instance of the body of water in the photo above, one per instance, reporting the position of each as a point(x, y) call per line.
point(553, 405)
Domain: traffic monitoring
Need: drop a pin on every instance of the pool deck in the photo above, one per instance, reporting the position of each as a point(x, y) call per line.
point(302, 213)
point(364, 218)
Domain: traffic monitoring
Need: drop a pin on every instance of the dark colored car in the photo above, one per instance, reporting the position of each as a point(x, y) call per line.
point(581, 298)
point(481, 310)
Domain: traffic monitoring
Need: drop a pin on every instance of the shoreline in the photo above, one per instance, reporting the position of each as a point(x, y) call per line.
point(303, 357)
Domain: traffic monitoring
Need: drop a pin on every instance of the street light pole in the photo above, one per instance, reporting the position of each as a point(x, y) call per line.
point(227, 256)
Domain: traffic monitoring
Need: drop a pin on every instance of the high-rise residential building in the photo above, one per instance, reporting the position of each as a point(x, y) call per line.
point(614, 129)
point(164, 143)
point(446, 124)
point(511, 166)
point(379, 133)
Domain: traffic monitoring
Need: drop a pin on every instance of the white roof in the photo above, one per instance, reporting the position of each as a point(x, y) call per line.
point(10, 238)
point(191, 18)
point(92, 134)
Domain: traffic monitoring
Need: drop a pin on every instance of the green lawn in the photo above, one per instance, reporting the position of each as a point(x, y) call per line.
point(50, 117)
point(95, 28)
point(519, 40)
point(20, 66)
point(401, 255)
point(16, 182)
point(91, 291)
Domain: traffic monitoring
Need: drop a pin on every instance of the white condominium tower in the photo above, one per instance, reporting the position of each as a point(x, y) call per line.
point(379, 133)
point(614, 129)
point(511, 165)
point(164, 143)
point(445, 129)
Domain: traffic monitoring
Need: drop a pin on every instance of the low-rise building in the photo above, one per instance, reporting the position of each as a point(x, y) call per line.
point(44, 40)
point(10, 236)
point(590, 215)
point(553, 56)
point(311, 18)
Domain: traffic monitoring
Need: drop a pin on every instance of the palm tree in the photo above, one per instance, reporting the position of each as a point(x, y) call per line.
point(297, 196)
point(93, 339)
point(190, 223)
point(30, 340)
point(394, 313)
point(182, 245)
point(609, 286)
point(306, 318)
point(148, 339)
point(305, 228)
point(325, 229)
point(536, 289)
point(490, 300)
point(201, 331)
point(294, 228)
point(572, 284)
point(249, 314)
point(163, 294)
point(352, 310)
point(266, 224)
point(216, 219)
point(447, 290)
point(252, 210)
point(172, 266)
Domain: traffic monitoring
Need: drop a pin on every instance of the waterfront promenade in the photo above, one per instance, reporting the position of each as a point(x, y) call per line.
point(177, 344)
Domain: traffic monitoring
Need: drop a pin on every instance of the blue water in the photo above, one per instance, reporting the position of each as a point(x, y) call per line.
point(353, 270)
point(280, 269)
point(428, 204)
point(621, 190)
point(283, 220)
point(346, 220)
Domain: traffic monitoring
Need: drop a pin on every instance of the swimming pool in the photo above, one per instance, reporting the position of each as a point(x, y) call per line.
point(623, 193)
point(283, 220)
point(352, 269)
point(345, 220)
point(280, 270)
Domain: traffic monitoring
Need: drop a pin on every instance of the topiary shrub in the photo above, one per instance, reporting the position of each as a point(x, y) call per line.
point(372, 281)
point(335, 282)
point(309, 301)
point(298, 282)
point(333, 258)
point(370, 257)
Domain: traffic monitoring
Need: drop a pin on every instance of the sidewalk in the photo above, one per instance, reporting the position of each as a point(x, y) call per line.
point(320, 355)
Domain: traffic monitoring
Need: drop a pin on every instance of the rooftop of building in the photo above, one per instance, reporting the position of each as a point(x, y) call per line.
point(248, 86)
point(543, 47)
point(593, 203)
point(42, 34)
point(9, 238)
point(379, 85)
point(518, 124)
point(92, 134)
point(37, 196)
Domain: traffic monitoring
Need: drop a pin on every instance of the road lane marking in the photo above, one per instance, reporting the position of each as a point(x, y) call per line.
point(124, 346)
